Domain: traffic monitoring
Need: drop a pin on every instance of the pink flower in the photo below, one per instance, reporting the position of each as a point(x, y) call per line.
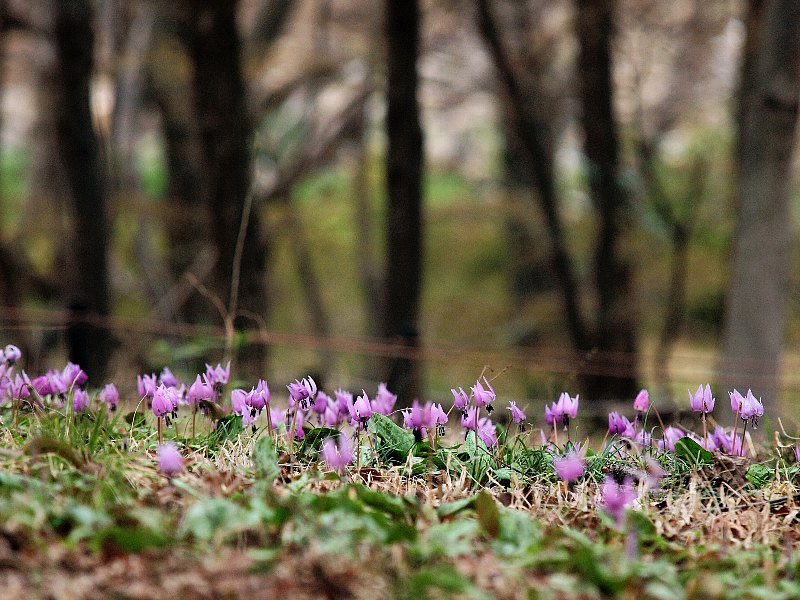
point(620, 425)
point(165, 400)
point(302, 391)
point(642, 402)
point(219, 375)
point(384, 401)
point(18, 387)
point(168, 378)
point(418, 418)
point(460, 399)
point(73, 375)
point(483, 397)
point(320, 403)
point(110, 396)
point(337, 457)
point(343, 402)
point(199, 390)
point(238, 401)
point(569, 467)
point(517, 416)
point(11, 354)
point(146, 385)
point(671, 437)
point(468, 419)
point(170, 460)
point(487, 432)
point(752, 408)
point(702, 401)
point(80, 400)
point(616, 499)
point(361, 409)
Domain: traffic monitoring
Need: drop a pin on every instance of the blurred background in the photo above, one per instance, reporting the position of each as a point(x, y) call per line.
point(592, 196)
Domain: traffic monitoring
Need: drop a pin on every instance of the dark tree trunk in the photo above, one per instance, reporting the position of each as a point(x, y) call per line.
point(532, 135)
point(89, 344)
point(615, 334)
point(219, 103)
point(404, 186)
point(756, 311)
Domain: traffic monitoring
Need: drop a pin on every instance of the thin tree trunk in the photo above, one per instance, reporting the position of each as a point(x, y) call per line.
point(219, 102)
point(89, 345)
point(615, 335)
point(532, 136)
point(756, 311)
point(404, 186)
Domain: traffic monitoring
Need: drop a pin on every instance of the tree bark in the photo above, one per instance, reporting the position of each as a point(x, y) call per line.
point(756, 311)
point(89, 344)
point(220, 109)
point(404, 224)
point(615, 329)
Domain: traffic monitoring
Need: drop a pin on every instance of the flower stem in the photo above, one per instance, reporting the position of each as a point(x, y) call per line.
point(735, 425)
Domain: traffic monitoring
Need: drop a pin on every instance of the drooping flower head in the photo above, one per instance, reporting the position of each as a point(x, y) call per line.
point(562, 411)
point(146, 385)
point(487, 432)
point(616, 499)
point(418, 419)
point(337, 456)
point(517, 416)
point(110, 396)
point(702, 400)
point(80, 400)
point(168, 378)
point(239, 401)
point(218, 376)
point(343, 402)
point(752, 408)
point(73, 375)
point(302, 391)
point(483, 396)
point(361, 410)
point(320, 403)
point(737, 401)
point(620, 425)
point(569, 467)
point(170, 460)
point(260, 395)
point(384, 401)
point(671, 437)
point(199, 390)
point(642, 401)
point(460, 399)
point(468, 418)
point(165, 400)
point(11, 354)
point(18, 388)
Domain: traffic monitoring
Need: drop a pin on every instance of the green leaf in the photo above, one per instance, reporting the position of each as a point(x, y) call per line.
point(312, 441)
point(488, 514)
point(759, 475)
point(393, 441)
point(692, 452)
point(450, 509)
point(266, 460)
point(130, 539)
point(480, 458)
point(228, 428)
point(394, 506)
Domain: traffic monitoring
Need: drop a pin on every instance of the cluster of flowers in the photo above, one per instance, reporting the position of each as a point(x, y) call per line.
point(53, 388)
point(471, 405)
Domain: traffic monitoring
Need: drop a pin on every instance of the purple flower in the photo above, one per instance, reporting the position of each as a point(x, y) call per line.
point(438, 414)
point(616, 499)
point(199, 390)
point(642, 402)
point(248, 415)
point(11, 354)
point(620, 425)
point(219, 375)
point(165, 400)
point(343, 402)
point(483, 397)
point(752, 408)
point(277, 416)
point(418, 418)
point(170, 460)
point(146, 385)
point(239, 401)
point(702, 401)
point(517, 416)
point(361, 410)
point(671, 437)
point(797, 453)
point(110, 396)
point(167, 378)
point(73, 375)
point(331, 418)
point(80, 400)
point(337, 457)
point(320, 403)
point(568, 406)
point(737, 401)
point(301, 391)
point(569, 467)
point(487, 432)
point(260, 395)
point(468, 419)
point(460, 399)
point(18, 387)
point(384, 401)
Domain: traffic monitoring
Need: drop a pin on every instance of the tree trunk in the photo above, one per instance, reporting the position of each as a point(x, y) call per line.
point(89, 344)
point(615, 333)
point(404, 187)
point(756, 312)
point(219, 103)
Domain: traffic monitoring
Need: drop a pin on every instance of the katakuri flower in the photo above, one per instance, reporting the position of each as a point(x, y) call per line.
point(517, 416)
point(487, 432)
point(361, 410)
point(165, 401)
point(146, 385)
point(569, 467)
point(80, 400)
point(671, 437)
point(110, 396)
point(260, 395)
point(702, 401)
point(460, 399)
point(384, 401)
point(302, 392)
point(620, 425)
point(483, 396)
point(239, 401)
point(170, 460)
point(73, 375)
point(337, 456)
point(199, 390)
point(616, 499)
point(642, 401)
point(167, 378)
point(11, 354)
point(219, 375)
point(752, 408)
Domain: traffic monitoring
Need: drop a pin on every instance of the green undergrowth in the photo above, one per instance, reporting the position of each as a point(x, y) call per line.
point(427, 522)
